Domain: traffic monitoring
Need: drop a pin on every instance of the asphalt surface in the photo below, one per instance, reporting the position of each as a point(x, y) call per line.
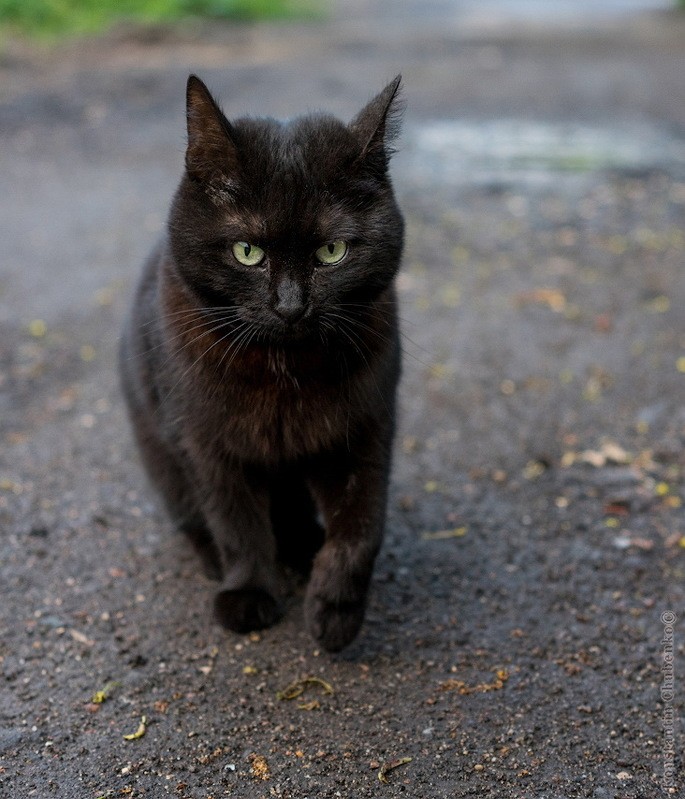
point(516, 643)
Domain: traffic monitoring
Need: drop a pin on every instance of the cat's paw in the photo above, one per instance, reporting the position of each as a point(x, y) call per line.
point(245, 609)
point(333, 625)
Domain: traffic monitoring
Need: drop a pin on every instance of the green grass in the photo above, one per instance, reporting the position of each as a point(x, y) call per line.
point(58, 18)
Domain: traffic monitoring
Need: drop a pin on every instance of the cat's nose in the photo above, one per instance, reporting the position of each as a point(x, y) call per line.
point(290, 304)
point(290, 311)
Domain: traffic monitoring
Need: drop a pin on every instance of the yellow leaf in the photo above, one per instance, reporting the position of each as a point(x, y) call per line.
point(298, 687)
point(142, 727)
point(259, 767)
point(37, 328)
point(393, 764)
point(313, 705)
point(533, 470)
point(450, 296)
point(439, 370)
point(87, 353)
point(660, 304)
point(552, 298)
point(441, 535)
point(100, 696)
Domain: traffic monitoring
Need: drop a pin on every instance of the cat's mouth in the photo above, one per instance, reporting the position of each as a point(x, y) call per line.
point(285, 327)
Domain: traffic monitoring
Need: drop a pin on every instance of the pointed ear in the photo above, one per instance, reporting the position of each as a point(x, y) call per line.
point(211, 151)
point(378, 123)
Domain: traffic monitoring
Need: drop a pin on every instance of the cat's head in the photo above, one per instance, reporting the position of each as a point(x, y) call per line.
point(290, 222)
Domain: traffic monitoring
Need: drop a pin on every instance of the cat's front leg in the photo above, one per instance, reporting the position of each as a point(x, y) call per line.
point(236, 507)
point(351, 492)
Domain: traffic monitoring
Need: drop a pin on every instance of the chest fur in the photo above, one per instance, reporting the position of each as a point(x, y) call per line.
point(266, 404)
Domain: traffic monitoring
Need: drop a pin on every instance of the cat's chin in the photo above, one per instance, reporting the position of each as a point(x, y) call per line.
point(291, 332)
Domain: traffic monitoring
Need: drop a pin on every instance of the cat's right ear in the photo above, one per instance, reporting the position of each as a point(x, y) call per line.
point(378, 123)
point(211, 151)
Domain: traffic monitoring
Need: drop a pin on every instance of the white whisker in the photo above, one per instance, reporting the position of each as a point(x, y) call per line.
point(202, 355)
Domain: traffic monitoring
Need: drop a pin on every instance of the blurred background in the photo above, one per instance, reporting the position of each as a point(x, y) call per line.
point(47, 19)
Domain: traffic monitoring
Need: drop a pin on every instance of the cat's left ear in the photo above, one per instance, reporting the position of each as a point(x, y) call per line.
point(211, 150)
point(378, 123)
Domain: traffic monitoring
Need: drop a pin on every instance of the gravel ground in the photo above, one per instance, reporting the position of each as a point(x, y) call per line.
point(515, 637)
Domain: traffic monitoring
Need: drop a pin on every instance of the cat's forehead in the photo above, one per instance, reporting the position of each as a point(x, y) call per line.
point(293, 175)
point(292, 218)
point(315, 147)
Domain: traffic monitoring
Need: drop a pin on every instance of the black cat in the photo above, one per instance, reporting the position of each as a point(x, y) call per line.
point(261, 357)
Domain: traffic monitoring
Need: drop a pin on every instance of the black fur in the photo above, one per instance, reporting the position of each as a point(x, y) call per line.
point(262, 397)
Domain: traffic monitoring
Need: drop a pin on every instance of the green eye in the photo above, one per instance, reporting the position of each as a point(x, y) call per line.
point(332, 253)
point(248, 254)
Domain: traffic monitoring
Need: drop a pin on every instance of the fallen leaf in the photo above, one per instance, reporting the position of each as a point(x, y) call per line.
point(259, 767)
point(100, 696)
point(552, 298)
point(613, 452)
point(37, 328)
point(462, 688)
point(617, 508)
point(603, 323)
point(87, 353)
point(142, 728)
point(646, 544)
point(298, 687)
point(313, 705)
point(390, 766)
point(533, 470)
point(593, 458)
point(77, 635)
point(441, 535)
point(609, 452)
